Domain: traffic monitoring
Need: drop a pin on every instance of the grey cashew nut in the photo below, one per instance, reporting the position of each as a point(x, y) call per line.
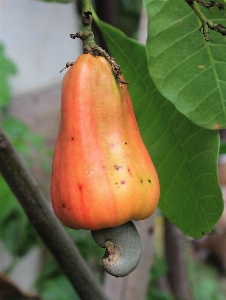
point(123, 248)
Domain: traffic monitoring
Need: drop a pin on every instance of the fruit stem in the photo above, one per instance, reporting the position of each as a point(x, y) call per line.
point(86, 34)
point(89, 45)
point(86, 6)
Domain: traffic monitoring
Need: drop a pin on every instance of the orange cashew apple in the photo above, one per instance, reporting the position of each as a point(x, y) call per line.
point(102, 174)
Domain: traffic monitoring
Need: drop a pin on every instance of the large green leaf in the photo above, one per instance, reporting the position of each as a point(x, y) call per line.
point(187, 70)
point(184, 154)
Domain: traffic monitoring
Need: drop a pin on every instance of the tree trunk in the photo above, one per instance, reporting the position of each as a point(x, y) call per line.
point(174, 252)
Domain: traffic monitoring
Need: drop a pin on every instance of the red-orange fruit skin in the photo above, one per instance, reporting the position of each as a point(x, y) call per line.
point(102, 174)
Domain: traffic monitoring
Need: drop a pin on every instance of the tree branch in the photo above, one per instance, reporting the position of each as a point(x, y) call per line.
point(206, 23)
point(46, 224)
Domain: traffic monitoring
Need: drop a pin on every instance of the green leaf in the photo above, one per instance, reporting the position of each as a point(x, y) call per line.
point(16, 233)
point(8, 202)
point(184, 154)
point(222, 147)
point(15, 128)
point(5, 92)
point(57, 289)
point(187, 70)
point(7, 67)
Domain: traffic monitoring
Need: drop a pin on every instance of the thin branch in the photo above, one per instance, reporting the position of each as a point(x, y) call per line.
point(206, 23)
point(46, 224)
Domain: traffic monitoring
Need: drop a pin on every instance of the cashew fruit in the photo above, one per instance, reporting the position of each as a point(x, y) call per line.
point(102, 174)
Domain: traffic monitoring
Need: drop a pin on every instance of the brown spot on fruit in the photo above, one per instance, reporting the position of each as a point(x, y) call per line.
point(129, 171)
point(123, 182)
point(117, 167)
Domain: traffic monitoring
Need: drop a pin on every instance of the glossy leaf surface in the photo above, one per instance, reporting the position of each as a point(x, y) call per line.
point(187, 70)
